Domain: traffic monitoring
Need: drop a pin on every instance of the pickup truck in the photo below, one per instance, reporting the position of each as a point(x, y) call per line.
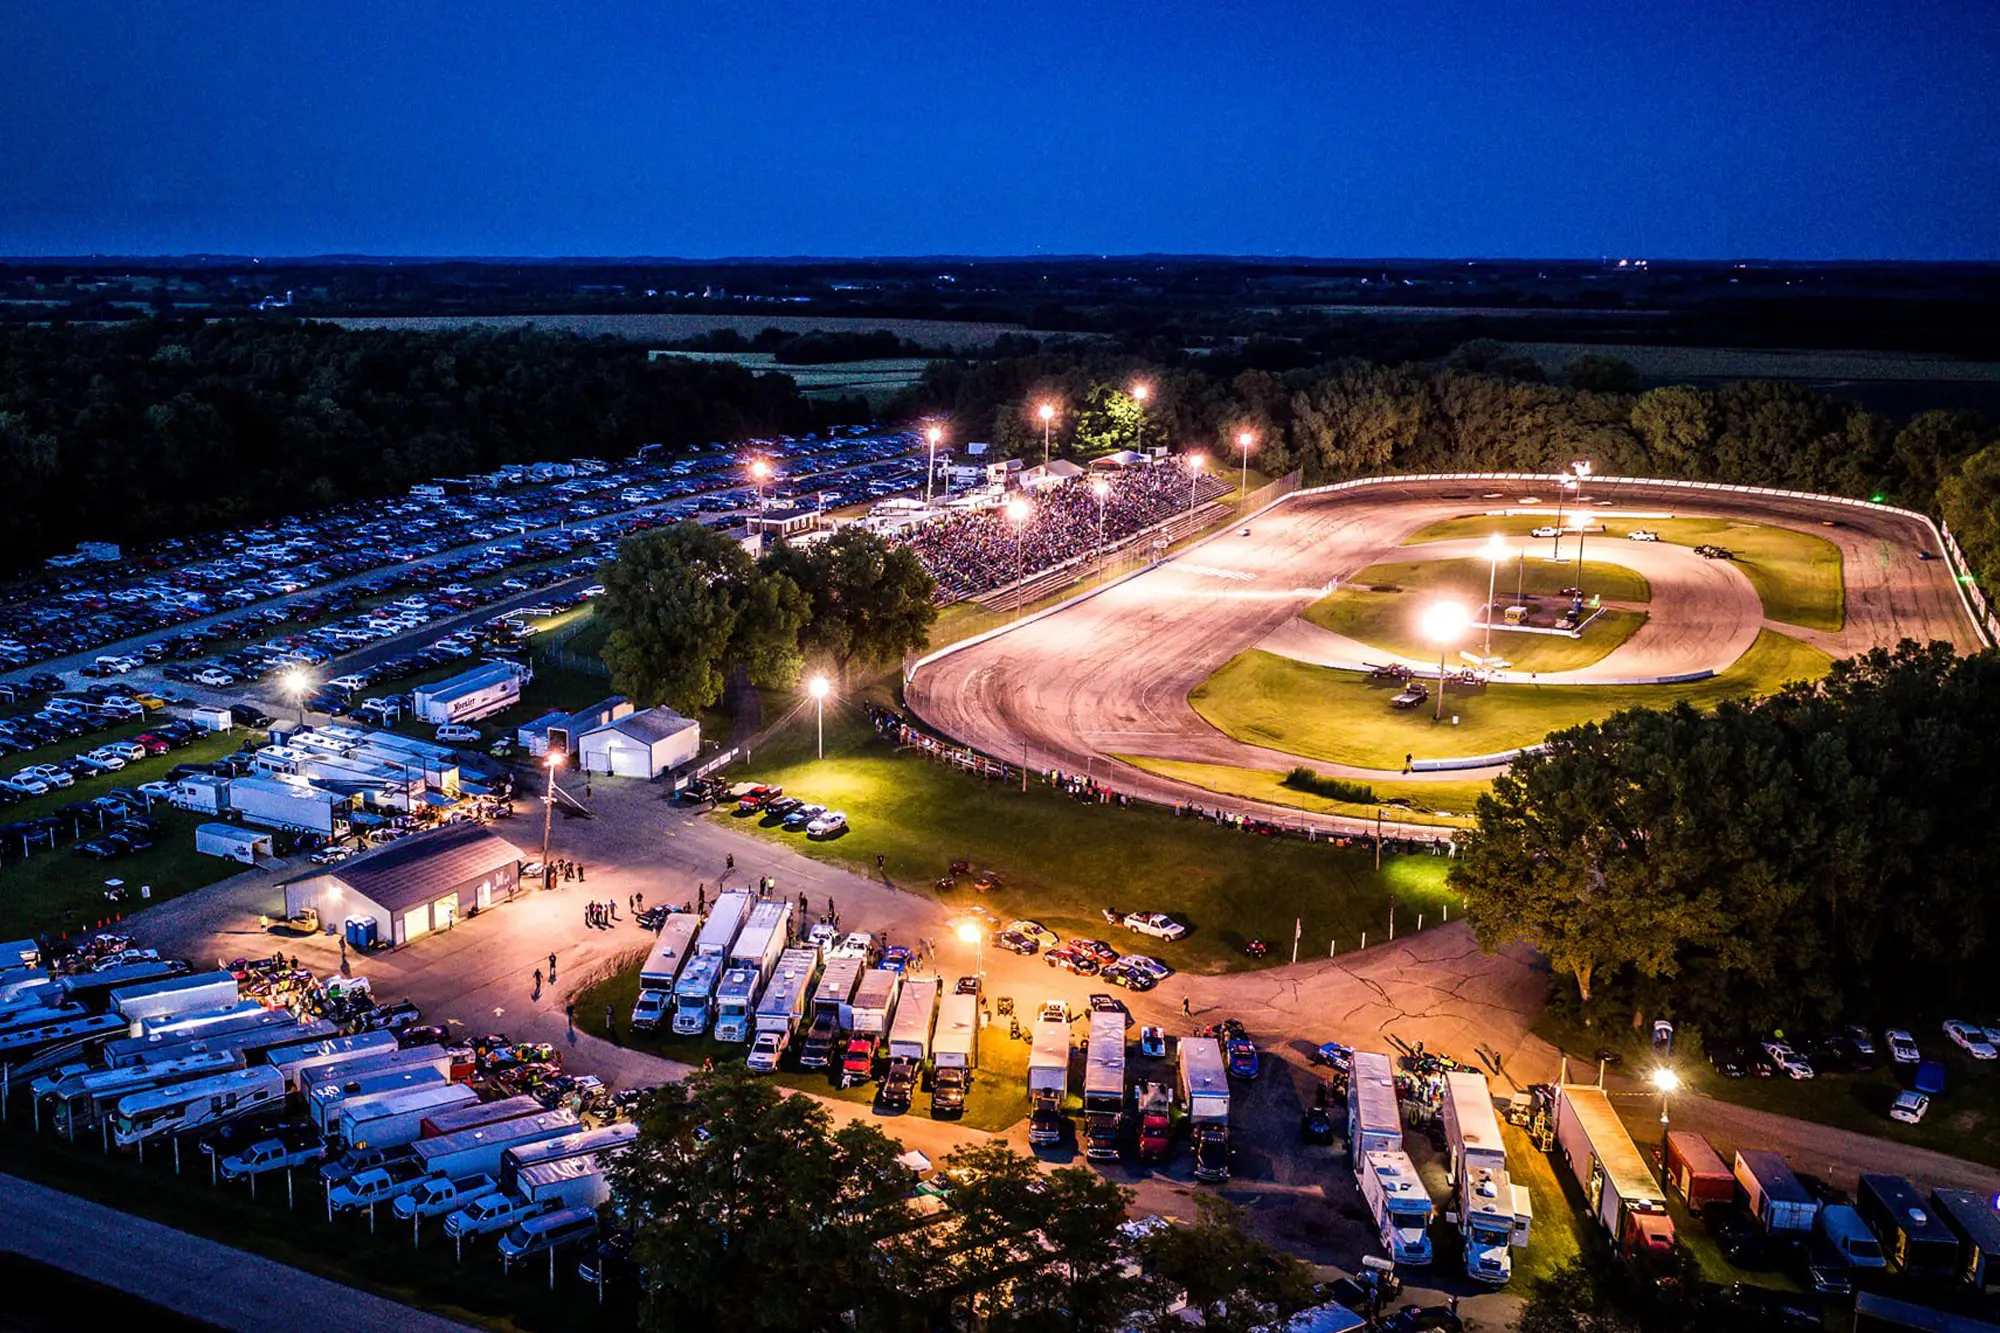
point(948, 1090)
point(270, 1155)
point(439, 1194)
point(858, 1065)
point(354, 1161)
point(376, 1185)
point(490, 1212)
point(899, 1085)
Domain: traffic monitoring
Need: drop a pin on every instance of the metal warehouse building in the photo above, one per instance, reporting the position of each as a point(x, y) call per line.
point(414, 886)
point(640, 745)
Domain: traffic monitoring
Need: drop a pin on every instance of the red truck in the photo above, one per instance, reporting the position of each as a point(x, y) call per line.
point(1156, 1129)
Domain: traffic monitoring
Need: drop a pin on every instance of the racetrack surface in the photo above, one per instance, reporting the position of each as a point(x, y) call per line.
point(1111, 673)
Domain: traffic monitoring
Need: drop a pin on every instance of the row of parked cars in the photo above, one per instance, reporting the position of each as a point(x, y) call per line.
point(84, 605)
point(1089, 957)
point(1856, 1048)
point(788, 812)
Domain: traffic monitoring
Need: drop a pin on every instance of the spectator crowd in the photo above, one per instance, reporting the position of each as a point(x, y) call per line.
point(975, 552)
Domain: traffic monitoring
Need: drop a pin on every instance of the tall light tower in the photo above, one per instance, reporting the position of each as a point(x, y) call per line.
point(970, 932)
point(552, 762)
point(932, 435)
point(1047, 412)
point(1244, 439)
point(1496, 551)
point(1444, 622)
point(1140, 393)
point(297, 684)
point(818, 688)
point(1668, 1082)
point(760, 472)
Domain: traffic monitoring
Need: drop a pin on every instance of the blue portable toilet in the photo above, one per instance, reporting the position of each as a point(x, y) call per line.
point(361, 932)
point(1930, 1078)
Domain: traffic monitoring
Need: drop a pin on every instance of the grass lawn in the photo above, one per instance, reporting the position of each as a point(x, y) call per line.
point(56, 891)
point(1797, 574)
point(999, 1095)
point(1381, 606)
point(1557, 1233)
point(1450, 802)
point(1343, 717)
point(1060, 861)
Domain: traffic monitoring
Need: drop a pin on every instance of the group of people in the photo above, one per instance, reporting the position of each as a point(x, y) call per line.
point(561, 869)
point(600, 915)
point(895, 728)
point(974, 552)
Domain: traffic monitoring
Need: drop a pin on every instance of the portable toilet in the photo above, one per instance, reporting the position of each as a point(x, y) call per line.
point(361, 932)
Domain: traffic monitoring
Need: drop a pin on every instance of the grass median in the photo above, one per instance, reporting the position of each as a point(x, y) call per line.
point(1342, 717)
point(1797, 575)
point(1446, 804)
point(1060, 860)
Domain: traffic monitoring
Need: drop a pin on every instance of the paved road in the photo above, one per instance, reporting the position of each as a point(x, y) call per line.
point(205, 1280)
point(1112, 673)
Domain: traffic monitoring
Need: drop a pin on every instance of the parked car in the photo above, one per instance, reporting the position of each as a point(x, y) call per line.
point(829, 825)
point(1122, 974)
point(1037, 932)
point(1970, 1039)
point(1096, 950)
point(1413, 693)
point(1069, 960)
point(1902, 1046)
point(1788, 1060)
point(1151, 967)
point(1157, 924)
point(1545, 530)
point(1642, 535)
point(452, 731)
point(1013, 941)
point(1241, 1055)
point(1909, 1107)
point(802, 815)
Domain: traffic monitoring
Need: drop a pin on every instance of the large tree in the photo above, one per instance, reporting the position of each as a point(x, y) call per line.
point(869, 601)
point(1233, 1280)
point(750, 1211)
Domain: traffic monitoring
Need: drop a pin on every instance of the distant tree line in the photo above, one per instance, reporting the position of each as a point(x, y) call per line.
point(750, 1210)
point(1481, 408)
point(162, 427)
point(687, 607)
point(1814, 856)
point(814, 347)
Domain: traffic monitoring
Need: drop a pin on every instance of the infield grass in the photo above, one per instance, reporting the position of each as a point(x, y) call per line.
point(1342, 717)
point(1448, 804)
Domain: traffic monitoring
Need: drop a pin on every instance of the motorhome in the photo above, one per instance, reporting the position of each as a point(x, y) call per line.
point(751, 960)
point(694, 992)
point(199, 1104)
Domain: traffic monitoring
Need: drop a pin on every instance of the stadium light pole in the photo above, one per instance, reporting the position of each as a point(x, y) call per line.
point(1100, 488)
point(553, 761)
point(1496, 551)
point(817, 688)
point(1668, 1082)
point(972, 935)
point(1047, 412)
point(295, 684)
point(933, 435)
point(1194, 462)
point(1444, 622)
point(760, 471)
point(1244, 439)
point(1017, 512)
point(1140, 393)
point(1576, 522)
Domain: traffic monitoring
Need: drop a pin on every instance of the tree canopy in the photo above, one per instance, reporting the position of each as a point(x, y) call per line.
point(1807, 857)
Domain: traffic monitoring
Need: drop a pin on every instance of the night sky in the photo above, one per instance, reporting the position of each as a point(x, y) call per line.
point(1829, 129)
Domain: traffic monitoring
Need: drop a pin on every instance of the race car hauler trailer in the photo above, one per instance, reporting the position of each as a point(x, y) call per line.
point(1205, 1094)
point(873, 1010)
point(954, 1053)
point(751, 960)
point(662, 969)
point(298, 1059)
point(694, 993)
point(781, 1005)
point(1104, 1086)
point(832, 1011)
point(1621, 1192)
point(1048, 1079)
point(446, 1062)
point(1773, 1195)
point(1399, 1203)
point(478, 1115)
point(398, 1118)
point(1374, 1120)
point(1490, 1211)
point(130, 1050)
point(325, 1101)
point(610, 1139)
point(197, 992)
point(476, 1152)
point(1698, 1171)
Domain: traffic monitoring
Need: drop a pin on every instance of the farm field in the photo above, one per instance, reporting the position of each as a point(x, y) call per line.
point(954, 334)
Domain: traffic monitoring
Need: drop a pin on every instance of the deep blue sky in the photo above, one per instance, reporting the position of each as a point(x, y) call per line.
point(1837, 129)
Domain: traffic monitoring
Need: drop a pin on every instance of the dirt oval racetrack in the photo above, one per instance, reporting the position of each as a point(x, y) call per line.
point(1111, 673)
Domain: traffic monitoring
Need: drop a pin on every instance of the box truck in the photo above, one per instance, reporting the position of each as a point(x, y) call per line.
point(1399, 1204)
point(1608, 1168)
point(1204, 1087)
point(1104, 1086)
point(1773, 1195)
point(781, 1006)
point(751, 960)
point(831, 1011)
point(873, 1010)
point(1048, 1079)
point(694, 993)
point(954, 1053)
point(1695, 1169)
point(661, 971)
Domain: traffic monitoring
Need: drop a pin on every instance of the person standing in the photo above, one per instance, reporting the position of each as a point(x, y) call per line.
point(701, 899)
point(538, 983)
point(569, 1013)
point(1187, 1007)
point(552, 967)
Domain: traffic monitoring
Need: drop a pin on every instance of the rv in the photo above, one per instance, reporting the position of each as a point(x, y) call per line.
point(751, 960)
point(82, 1098)
point(662, 970)
point(1104, 1086)
point(276, 1024)
point(694, 993)
point(204, 1102)
point(1399, 1203)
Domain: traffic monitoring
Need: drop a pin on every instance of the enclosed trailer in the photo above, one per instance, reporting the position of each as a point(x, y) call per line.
point(1773, 1195)
point(1913, 1236)
point(1610, 1171)
point(1698, 1171)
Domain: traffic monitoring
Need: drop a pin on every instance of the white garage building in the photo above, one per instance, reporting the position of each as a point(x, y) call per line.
point(412, 886)
point(640, 745)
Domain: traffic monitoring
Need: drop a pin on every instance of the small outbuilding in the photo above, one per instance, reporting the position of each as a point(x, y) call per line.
point(640, 745)
point(413, 886)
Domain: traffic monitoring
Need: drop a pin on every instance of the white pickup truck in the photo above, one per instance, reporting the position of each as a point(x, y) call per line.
point(377, 1185)
point(270, 1155)
point(491, 1212)
point(439, 1194)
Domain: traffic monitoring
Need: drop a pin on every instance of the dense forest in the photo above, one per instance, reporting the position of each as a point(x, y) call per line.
point(1816, 856)
point(1480, 408)
point(160, 427)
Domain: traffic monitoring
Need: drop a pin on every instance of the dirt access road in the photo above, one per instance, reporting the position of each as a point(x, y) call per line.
point(1111, 673)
